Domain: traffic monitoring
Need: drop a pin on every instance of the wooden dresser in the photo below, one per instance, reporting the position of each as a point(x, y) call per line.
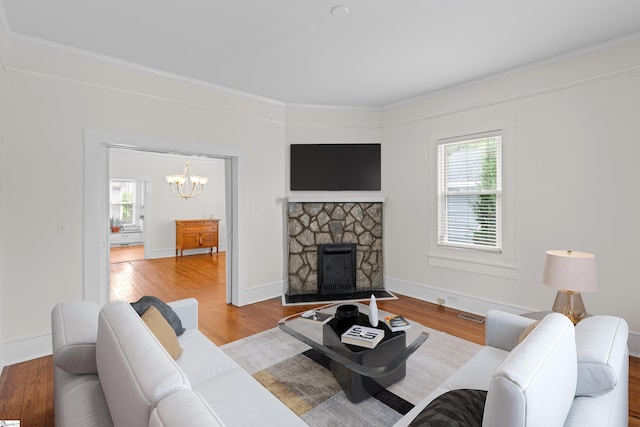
point(196, 233)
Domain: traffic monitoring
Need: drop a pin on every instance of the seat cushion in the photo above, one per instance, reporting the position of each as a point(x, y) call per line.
point(455, 408)
point(240, 400)
point(202, 359)
point(79, 401)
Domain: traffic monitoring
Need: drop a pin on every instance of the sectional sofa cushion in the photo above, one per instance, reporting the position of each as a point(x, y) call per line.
point(455, 408)
point(74, 343)
point(163, 331)
point(146, 301)
point(600, 341)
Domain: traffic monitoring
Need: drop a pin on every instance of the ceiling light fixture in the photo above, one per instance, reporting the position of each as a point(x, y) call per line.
point(187, 185)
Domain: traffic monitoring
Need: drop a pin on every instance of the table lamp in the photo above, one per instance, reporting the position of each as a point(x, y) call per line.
point(571, 273)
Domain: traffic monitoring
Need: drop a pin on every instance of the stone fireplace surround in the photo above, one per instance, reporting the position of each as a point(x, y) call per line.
point(311, 223)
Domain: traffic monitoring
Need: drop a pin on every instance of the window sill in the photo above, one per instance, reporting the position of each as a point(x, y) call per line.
point(507, 271)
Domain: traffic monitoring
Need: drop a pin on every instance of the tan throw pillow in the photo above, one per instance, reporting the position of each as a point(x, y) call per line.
point(527, 331)
point(163, 331)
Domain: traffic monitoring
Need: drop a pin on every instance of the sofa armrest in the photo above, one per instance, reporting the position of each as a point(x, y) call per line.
point(74, 330)
point(187, 311)
point(504, 329)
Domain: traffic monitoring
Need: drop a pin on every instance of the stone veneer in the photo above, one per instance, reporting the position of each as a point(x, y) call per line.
point(311, 224)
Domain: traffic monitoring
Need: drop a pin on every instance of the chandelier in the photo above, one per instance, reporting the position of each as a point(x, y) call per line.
point(187, 185)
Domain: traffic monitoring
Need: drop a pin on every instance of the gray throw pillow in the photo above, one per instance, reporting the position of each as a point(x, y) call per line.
point(455, 408)
point(142, 305)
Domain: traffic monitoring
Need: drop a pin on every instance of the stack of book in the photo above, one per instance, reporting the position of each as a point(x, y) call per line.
point(362, 336)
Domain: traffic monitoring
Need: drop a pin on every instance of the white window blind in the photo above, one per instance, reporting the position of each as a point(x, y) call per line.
point(470, 193)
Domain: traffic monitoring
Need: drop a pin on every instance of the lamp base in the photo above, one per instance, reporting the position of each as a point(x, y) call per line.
point(570, 304)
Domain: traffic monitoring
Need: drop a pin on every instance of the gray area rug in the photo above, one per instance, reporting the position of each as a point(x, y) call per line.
point(299, 377)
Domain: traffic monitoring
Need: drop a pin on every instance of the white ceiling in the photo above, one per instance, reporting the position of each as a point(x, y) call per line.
point(296, 52)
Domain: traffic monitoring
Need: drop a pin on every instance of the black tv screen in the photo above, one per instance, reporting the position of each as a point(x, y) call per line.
point(335, 167)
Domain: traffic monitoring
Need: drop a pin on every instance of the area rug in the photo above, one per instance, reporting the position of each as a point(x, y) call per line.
point(300, 377)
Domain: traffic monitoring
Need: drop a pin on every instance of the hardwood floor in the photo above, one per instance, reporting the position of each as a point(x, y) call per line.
point(26, 389)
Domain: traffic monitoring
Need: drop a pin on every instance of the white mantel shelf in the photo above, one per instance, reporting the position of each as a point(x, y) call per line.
point(336, 199)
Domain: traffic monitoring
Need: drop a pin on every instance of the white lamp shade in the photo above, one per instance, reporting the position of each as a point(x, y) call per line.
point(570, 271)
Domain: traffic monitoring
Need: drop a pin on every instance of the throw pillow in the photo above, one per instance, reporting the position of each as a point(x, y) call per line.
point(527, 331)
point(455, 408)
point(143, 304)
point(163, 331)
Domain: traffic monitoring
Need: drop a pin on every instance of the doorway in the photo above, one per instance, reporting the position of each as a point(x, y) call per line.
point(96, 214)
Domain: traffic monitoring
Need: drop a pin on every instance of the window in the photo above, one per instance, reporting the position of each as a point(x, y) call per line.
point(125, 201)
point(469, 194)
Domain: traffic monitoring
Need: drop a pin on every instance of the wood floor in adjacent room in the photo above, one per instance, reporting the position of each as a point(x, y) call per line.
point(26, 389)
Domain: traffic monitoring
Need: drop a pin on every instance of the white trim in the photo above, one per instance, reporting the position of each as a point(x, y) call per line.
point(470, 304)
point(507, 271)
point(476, 305)
point(134, 66)
point(97, 144)
point(516, 70)
point(262, 293)
point(23, 349)
point(331, 198)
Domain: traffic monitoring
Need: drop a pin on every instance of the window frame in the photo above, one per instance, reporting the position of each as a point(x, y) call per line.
point(491, 263)
point(137, 204)
point(444, 193)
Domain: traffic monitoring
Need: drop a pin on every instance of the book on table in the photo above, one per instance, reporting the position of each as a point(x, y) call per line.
point(397, 322)
point(314, 316)
point(362, 336)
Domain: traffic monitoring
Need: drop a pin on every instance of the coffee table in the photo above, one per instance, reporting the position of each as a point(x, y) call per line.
point(360, 371)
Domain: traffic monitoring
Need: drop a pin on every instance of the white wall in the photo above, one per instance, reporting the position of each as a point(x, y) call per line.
point(575, 126)
point(162, 207)
point(575, 138)
point(53, 96)
point(3, 180)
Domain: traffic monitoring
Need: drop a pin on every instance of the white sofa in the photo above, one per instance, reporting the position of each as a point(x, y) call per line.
point(110, 370)
point(558, 375)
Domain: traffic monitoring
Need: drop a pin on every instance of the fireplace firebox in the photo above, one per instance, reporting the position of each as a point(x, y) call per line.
point(336, 268)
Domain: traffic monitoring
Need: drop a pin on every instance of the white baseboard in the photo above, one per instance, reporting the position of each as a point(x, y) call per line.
point(24, 349)
point(261, 293)
point(21, 350)
point(474, 305)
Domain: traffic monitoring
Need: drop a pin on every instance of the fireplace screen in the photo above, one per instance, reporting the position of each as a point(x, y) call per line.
point(336, 268)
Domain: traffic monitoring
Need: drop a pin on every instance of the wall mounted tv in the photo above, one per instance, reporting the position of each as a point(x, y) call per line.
point(335, 167)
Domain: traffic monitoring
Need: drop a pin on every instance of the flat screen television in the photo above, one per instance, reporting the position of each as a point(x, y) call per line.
point(335, 167)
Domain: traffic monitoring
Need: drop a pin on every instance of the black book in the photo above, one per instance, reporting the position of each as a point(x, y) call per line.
point(316, 317)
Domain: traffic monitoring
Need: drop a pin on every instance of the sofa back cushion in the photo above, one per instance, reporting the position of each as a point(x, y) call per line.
point(535, 385)
point(135, 371)
point(601, 343)
point(74, 326)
